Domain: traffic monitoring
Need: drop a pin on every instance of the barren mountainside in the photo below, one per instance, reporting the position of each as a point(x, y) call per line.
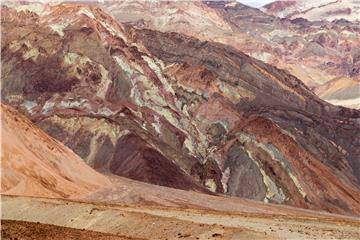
point(172, 110)
point(35, 166)
point(314, 51)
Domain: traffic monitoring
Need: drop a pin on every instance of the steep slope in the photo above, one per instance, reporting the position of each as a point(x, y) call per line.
point(264, 130)
point(315, 52)
point(315, 10)
point(79, 82)
point(33, 164)
point(171, 110)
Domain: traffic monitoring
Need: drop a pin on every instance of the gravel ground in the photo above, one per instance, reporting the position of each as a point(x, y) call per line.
point(13, 230)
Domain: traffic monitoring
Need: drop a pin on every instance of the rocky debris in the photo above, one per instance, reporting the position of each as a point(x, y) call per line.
point(172, 110)
point(33, 231)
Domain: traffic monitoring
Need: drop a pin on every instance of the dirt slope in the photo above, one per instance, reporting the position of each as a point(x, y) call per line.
point(33, 231)
point(34, 164)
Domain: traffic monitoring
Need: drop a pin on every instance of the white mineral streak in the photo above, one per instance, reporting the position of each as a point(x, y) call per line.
point(210, 184)
point(86, 12)
point(59, 27)
point(29, 105)
point(104, 83)
point(272, 191)
point(225, 179)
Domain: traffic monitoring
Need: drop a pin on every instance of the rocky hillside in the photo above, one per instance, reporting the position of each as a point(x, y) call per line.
point(315, 52)
point(172, 110)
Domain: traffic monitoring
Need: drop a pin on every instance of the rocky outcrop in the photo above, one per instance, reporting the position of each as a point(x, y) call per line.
point(175, 111)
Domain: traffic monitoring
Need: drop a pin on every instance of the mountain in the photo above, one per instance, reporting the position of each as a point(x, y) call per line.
point(34, 164)
point(315, 52)
point(65, 78)
point(315, 10)
point(172, 110)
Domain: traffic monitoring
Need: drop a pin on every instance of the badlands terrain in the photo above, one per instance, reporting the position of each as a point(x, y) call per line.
point(128, 209)
point(318, 46)
point(167, 120)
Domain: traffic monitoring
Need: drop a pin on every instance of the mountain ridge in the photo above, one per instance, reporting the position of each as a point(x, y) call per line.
point(315, 52)
point(99, 86)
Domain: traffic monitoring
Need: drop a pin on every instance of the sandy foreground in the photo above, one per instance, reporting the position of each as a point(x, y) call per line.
point(147, 222)
point(32, 231)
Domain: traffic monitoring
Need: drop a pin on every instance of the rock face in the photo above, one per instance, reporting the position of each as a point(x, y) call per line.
point(315, 10)
point(175, 111)
point(315, 52)
point(33, 164)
